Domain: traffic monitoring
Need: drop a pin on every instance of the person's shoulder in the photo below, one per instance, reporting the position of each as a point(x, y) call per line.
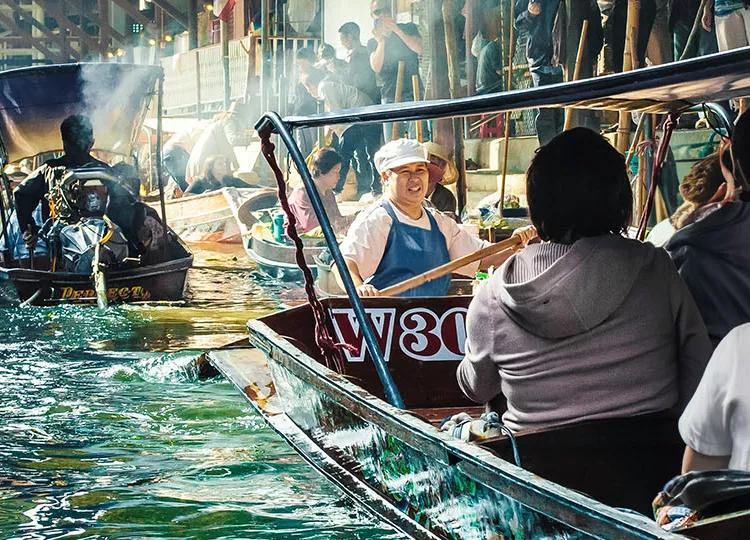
point(371, 217)
point(409, 28)
point(442, 219)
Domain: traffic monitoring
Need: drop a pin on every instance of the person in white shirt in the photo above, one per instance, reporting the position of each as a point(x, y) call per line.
point(716, 423)
point(397, 238)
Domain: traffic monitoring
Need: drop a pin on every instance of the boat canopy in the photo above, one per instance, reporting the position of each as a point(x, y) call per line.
point(34, 102)
point(664, 88)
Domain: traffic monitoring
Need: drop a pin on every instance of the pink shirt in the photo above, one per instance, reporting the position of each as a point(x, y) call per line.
point(303, 210)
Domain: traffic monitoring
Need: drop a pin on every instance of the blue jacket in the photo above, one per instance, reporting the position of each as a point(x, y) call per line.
point(713, 257)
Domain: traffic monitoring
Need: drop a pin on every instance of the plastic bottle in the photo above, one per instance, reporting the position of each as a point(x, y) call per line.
point(277, 228)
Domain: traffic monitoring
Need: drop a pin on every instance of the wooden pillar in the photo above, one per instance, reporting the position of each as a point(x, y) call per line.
point(629, 61)
point(469, 31)
point(224, 34)
point(192, 24)
point(451, 41)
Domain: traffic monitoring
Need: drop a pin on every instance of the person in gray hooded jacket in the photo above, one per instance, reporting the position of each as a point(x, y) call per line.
point(586, 324)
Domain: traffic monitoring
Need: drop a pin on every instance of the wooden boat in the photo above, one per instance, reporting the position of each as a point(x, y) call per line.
point(573, 483)
point(157, 282)
point(211, 216)
point(278, 260)
point(587, 480)
point(116, 98)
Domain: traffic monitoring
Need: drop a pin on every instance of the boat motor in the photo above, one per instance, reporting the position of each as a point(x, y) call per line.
point(78, 205)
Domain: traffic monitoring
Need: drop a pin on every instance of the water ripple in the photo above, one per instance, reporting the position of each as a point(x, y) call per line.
point(108, 433)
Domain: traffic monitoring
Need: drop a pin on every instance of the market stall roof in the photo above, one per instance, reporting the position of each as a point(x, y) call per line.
point(34, 101)
point(664, 88)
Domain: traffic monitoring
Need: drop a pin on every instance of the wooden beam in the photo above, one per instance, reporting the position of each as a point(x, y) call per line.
point(42, 28)
point(56, 13)
point(104, 14)
point(10, 24)
point(101, 23)
point(131, 10)
point(172, 11)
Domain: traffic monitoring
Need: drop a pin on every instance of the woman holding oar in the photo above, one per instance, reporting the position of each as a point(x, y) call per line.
point(397, 238)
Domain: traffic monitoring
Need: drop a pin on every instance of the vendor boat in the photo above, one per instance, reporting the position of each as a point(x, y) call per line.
point(366, 416)
point(210, 217)
point(116, 98)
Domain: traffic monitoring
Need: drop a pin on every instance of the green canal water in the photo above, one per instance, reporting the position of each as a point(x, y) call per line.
point(106, 431)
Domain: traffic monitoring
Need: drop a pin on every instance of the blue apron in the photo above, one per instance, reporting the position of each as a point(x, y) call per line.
point(411, 251)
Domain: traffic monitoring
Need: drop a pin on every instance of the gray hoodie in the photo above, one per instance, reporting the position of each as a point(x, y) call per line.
point(608, 330)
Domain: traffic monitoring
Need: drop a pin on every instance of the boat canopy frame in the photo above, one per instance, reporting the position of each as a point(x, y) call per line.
point(669, 88)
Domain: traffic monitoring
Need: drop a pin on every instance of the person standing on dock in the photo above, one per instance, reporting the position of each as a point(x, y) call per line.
point(397, 237)
point(359, 72)
point(394, 43)
point(536, 18)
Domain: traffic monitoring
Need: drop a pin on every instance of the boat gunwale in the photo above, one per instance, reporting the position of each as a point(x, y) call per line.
point(27, 275)
point(487, 468)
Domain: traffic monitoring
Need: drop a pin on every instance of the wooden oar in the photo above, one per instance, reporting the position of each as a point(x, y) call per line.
point(446, 268)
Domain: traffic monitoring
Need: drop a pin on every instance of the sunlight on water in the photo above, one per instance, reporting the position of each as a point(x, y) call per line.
point(106, 431)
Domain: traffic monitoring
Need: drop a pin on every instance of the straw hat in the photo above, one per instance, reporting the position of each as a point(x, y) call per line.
point(450, 175)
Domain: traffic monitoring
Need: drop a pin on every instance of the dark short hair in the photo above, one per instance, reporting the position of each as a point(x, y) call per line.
point(324, 160)
point(77, 130)
point(350, 29)
point(741, 153)
point(577, 186)
point(327, 51)
point(306, 53)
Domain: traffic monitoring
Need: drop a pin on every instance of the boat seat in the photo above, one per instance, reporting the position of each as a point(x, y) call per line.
point(622, 462)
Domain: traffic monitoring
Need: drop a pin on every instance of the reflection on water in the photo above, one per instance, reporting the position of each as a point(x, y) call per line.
point(107, 433)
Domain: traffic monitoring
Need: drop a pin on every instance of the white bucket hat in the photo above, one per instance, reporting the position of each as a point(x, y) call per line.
point(399, 152)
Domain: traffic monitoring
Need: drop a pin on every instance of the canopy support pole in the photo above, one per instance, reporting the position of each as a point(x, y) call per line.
point(269, 123)
point(159, 179)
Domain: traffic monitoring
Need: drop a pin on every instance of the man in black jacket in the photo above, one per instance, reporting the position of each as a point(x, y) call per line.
point(77, 139)
point(359, 72)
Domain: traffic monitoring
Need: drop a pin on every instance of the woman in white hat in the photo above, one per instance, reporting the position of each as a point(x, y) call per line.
point(397, 237)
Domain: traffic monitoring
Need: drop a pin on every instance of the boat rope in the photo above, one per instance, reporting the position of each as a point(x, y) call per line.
point(661, 155)
point(329, 348)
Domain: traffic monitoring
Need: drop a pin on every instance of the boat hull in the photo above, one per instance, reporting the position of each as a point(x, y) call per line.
point(208, 217)
point(278, 261)
point(159, 282)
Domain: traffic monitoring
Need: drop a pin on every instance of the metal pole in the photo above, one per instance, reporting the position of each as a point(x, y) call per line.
point(272, 121)
point(159, 98)
point(5, 220)
point(506, 118)
point(224, 34)
point(264, 48)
